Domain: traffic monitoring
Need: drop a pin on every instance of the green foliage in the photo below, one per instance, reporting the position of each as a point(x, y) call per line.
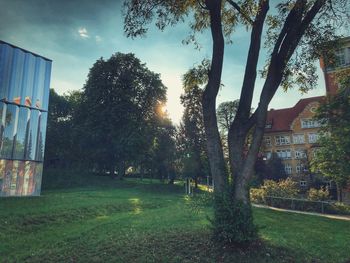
point(283, 188)
point(61, 136)
point(233, 221)
point(318, 194)
point(333, 155)
point(191, 140)
point(225, 113)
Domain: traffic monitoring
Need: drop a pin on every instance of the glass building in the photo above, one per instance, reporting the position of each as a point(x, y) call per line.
point(24, 97)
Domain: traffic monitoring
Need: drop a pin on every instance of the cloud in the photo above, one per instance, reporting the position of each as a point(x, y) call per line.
point(98, 38)
point(83, 33)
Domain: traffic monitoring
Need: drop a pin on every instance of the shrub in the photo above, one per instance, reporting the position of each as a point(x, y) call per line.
point(257, 195)
point(338, 208)
point(318, 194)
point(233, 221)
point(283, 188)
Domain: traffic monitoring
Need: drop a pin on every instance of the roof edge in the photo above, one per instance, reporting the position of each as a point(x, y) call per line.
point(24, 50)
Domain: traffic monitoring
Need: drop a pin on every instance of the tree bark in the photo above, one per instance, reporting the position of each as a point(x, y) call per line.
point(214, 147)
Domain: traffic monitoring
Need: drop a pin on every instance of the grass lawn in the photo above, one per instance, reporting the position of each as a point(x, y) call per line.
point(133, 221)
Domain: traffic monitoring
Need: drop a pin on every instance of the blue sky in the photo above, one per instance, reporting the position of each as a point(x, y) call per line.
point(74, 34)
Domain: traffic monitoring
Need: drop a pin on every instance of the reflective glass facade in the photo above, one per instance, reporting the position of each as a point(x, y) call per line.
point(24, 97)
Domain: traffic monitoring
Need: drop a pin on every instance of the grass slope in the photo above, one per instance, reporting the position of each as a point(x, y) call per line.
point(133, 221)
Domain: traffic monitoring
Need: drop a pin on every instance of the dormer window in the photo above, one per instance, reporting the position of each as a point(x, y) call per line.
point(268, 126)
point(309, 123)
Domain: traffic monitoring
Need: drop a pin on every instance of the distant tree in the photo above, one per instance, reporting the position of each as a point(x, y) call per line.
point(119, 104)
point(332, 158)
point(191, 138)
point(59, 136)
point(226, 113)
point(163, 150)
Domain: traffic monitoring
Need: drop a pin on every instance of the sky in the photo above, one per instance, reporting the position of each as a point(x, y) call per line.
point(75, 33)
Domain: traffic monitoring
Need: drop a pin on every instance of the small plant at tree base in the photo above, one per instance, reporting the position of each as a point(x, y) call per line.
point(233, 221)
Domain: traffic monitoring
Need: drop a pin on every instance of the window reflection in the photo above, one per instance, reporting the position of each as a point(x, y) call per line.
point(9, 131)
point(22, 133)
point(32, 135)
point(41, 136)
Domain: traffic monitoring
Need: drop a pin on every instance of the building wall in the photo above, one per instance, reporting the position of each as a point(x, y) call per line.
point(24, 95)
point(295, 145)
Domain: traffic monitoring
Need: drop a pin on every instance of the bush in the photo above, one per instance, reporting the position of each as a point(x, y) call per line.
point(283, 188)
point(233, 221)
point(257, 195)
point(338, 208)
point(318, 195)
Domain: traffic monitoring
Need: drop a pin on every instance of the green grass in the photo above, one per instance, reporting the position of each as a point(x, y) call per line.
point(133, 221)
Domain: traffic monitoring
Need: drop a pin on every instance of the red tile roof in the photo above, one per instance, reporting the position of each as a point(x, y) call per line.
point(282, 119)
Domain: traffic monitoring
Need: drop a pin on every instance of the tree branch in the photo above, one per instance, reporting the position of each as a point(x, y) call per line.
point(248, 86)
point(238, 8)
point(201, 5)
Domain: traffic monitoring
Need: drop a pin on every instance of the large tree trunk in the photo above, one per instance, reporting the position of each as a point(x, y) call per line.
point(214, 147)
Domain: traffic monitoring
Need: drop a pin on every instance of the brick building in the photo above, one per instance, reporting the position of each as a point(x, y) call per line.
point(292, 133)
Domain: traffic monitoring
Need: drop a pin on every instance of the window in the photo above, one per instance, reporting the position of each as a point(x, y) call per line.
point(303, 183)
point(267, 155)
point(267, 141)
point(284, 154)
point(340, 57)
point(268, 125)
point(288, 168)
point(31, 146)
point(299, 168)
point(300, 154)
point(10, 115)
point(21, 133)
point(309, 123)
point(298, 139)
point(282, 140)
point(313, 137)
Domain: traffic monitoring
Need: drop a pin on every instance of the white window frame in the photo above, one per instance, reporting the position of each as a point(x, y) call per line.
point(282, 139)
point(299, 168)
point(299, 138)
point(300, 154)
point(309, 123)
point(267, 140)
point(313, 137)
point(288, 168)
point(284, 154)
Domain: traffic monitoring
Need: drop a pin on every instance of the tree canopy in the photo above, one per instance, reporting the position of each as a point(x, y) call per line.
point(332, 158)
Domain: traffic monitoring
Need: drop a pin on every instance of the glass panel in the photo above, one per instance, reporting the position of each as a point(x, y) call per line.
point(41, 136)
point(14, 94)
point(47, 86)
point(23, 117)
point(2, 121)
point(38, 91)
point(32, 136)
point(10, 125)
point(5, 70)
point(28, 80)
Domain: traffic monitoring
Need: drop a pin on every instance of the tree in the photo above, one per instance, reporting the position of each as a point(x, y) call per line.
point(226, 113)
point(59, 146)
point(118, 112)
point(296, 32)
point(191, 137)
point(332, 158)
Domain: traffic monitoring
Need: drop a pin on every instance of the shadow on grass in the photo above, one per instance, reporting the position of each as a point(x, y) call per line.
point(169, 246)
